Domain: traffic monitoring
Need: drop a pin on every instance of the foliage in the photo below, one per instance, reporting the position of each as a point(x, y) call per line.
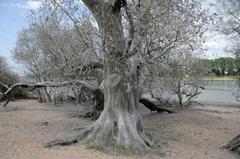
point(6, 75)
point(224, 66)
point(180, 80)
point(51, 49)
point(8, 78)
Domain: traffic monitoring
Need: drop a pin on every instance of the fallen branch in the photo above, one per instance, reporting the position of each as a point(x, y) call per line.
point(30, 87)
point(233, 144)
point(153, 107)
point(96, 109)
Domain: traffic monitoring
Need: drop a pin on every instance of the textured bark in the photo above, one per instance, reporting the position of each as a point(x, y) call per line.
point(96, 109)
point(119, 123)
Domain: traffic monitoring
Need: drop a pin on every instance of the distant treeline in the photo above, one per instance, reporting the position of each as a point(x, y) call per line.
point(224, 66)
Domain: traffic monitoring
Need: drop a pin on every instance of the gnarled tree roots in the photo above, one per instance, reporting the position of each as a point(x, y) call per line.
point(111, 132)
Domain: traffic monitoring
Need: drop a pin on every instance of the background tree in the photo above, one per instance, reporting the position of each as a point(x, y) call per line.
point(230, 23)
point(52, 50)
point(179, 82)
point(8, 78)
point(224, 66)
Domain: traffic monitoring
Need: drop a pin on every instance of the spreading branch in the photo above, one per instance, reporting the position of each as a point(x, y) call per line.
point(91, 65)
point(30, 87)
point(94, 89)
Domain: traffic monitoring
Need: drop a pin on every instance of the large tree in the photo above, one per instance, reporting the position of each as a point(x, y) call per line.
point(120, 123)
point(133, 35)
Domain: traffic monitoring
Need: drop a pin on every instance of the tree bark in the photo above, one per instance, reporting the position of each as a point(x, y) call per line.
point(97, 108)
point(119, 123)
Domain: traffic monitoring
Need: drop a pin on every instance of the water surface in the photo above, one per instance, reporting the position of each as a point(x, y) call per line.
point(219, 92)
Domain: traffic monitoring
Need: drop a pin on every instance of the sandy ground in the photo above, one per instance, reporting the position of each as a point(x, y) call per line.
point(25, 126)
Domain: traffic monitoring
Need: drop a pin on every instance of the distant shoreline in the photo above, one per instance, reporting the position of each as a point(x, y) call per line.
point(225, 78)
point(220, 104)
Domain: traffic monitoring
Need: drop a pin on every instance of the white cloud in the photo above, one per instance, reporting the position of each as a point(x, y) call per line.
point(31, 4)
point(216, 41)
point(216, 44)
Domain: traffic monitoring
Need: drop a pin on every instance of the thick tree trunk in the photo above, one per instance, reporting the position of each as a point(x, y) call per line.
point(97, 108)
point(119, 123)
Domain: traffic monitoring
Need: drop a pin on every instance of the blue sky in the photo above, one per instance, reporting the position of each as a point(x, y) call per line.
point(13, 19)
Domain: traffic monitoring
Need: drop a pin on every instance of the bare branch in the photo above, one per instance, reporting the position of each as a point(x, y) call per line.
point(30, 87)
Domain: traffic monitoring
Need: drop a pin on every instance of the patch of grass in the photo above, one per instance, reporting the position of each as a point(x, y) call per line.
point(124, 151)
point(155, 150)
point(96, 147)
point(114, 150)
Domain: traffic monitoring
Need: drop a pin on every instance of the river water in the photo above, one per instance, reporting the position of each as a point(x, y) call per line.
point(219, 92)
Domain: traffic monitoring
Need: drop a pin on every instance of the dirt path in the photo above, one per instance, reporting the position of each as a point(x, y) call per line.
point(25, 126)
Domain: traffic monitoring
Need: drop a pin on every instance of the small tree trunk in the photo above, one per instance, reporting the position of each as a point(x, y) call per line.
point(77, 96)
point(179, 93)
point(47, 95)
point(41, 97)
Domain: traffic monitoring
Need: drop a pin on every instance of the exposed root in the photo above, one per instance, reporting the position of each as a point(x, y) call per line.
point(111, 131)
point(66, 142)
point(126, 133)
